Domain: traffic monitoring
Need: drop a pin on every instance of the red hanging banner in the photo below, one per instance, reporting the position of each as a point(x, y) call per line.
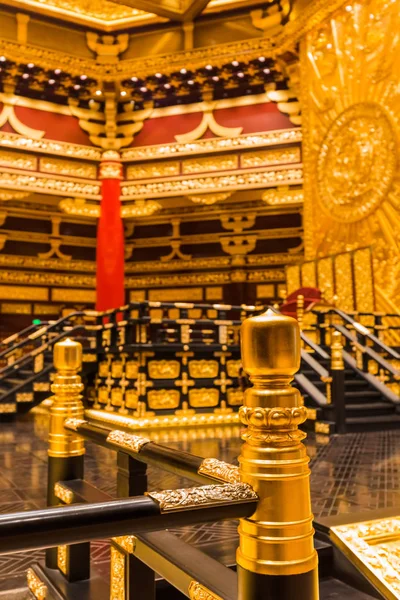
point(110, 254)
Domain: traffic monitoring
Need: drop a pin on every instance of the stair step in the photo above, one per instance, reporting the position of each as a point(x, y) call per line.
point(369, 409)
point(356, 383)
point(373, 423)
point(361, 394)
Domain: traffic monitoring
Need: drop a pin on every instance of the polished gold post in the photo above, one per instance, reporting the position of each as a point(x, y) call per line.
point(66, 450)
point(337, 363)
point(67, 401)
point(276, 557)
point(300, 311)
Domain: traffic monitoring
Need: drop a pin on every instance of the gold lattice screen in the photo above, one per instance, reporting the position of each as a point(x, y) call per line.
point(348, 276)
point(350, 67)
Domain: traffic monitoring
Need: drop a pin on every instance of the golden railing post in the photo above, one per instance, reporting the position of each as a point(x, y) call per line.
point(276, 557)
point(66, 450)
point(337, 374)
point(300, 311)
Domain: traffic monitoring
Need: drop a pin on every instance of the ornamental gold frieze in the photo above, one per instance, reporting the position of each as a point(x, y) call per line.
point(283, 196)
point(18, 160)
point(244, 179)
point(34, 277)
point(48, 185)
point(75, 296)
point(235, 397)
point(122, 439)
point(217, 144)
point(67, 167)
point(176, 265)
point(170, 280)
point(212, 163)
point(16, 292)
point(157, 169)
point(20, 142)
point(220, 470)
point(270, 157)
point(171, 294)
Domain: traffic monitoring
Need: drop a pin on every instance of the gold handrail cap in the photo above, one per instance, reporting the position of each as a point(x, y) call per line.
point(270, 345)
point(68, 355)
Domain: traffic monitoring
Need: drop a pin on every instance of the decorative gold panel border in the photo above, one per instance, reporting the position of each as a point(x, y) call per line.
point(208, 145)
point(237, 180)
point(46, 309)
point(214, 293)
point(17, 141)
point(34, 277)
point(266, 291)
point(68, 295)
point(71, 168)
point(203, 369)
point(16, 292)
point(137, 295)
point(164, 369)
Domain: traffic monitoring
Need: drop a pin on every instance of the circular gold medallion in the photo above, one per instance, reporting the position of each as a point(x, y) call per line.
point(356, 162)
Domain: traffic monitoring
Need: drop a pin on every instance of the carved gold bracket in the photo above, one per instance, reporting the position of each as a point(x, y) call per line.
point(176, 252)
point(209, 199)
point(55, 242)
point(208, 122)
point(107, 47)
point(8, 116)
point(238, 247)
point(238, 222)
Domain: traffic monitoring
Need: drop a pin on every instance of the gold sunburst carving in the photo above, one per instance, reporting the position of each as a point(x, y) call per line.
point(351, 102)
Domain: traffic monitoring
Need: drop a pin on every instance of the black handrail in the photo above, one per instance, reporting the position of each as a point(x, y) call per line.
point(175, 461)
point(309, 388)
point(50, 527)
point(15, 336)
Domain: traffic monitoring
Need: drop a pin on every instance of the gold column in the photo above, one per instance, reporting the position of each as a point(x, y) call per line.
point(67, 401)
point(276, 553)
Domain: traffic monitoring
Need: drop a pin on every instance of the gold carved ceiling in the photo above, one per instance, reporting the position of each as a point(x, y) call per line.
point(114, 14)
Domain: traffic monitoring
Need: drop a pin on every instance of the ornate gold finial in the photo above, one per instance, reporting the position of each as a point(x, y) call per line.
point(67, 401)
point(337, 363)
point(278, 538)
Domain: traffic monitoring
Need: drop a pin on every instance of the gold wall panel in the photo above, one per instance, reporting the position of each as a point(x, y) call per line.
point(131, 369)
point(233, 367)
point(157, 169)
point(117, 395)
point(18, 160)
point(164, 369)
point(364, 282)
point(103, 369)
point(326, 281)
point(117, 369)
point(176, 295)
point(16, 292)
point(235, 397)
point(203, 369)
point(212, 163)
point(352, 138)
point(293, 278)
point(16, 308)
point(46, 309)
point(103, 394)
point(266, 290)
point(344, 281)
point(308, 274)
point(203, 398)
point(270, 157)
point(137, 295)
point(214, 293)
point(63, 295)
point(131, 399)
point(68, 167)
point(163, 399)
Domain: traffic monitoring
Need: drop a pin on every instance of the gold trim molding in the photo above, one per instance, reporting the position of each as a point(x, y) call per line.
point(231, 180)
point(127, 440)
point(218, 469)
point(48, 185)
point(197, 591)
point(212, 145)
point(206, 495)
point(36, 585)
point(20, 142)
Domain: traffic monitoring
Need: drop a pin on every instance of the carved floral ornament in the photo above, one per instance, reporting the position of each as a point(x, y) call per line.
point(82, 208)
point(351, 139)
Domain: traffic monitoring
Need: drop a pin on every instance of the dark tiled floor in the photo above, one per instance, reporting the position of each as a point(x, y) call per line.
point(352, 473)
